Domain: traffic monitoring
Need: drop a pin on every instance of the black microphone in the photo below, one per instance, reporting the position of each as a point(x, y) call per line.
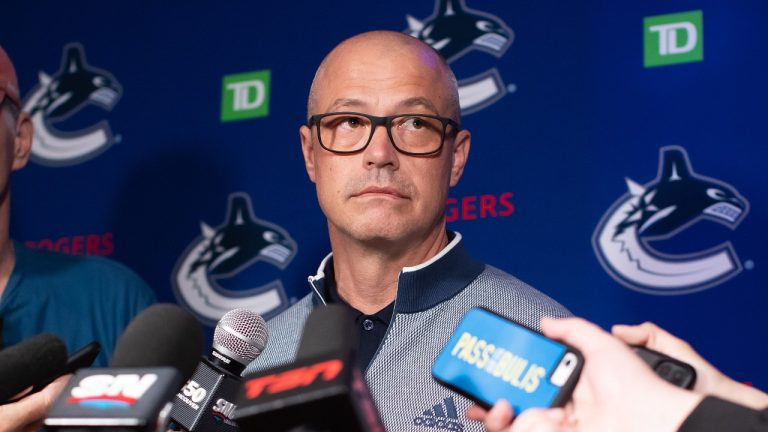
point(30, 363)
point(323, 390)
point(161, 335)
point(153, 357)
point(206, 402)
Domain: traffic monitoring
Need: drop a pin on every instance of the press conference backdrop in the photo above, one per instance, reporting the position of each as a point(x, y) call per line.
point(618, 156)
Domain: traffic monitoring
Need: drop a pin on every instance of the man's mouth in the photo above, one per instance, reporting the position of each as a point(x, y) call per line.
point(380, 190)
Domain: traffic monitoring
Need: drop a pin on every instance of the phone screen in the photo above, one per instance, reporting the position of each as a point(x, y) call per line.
point(489, 358)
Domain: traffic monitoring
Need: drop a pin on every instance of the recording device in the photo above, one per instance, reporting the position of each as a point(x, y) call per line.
point(206, 402)
point(490, 357)
point(81, 358)
point(30, 363)
point(323, 390)
point(668, 368)
point(154, 355)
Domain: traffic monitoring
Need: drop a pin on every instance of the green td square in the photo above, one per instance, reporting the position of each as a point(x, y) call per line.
point(673, 38)
point(245, 95)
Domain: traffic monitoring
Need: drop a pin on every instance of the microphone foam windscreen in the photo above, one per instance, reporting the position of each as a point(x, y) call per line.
point(30, 362)
point(242, 334)
point(161, 335)
point(328, 330)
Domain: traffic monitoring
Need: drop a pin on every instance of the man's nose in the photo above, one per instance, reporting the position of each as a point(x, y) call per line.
point(381, 152)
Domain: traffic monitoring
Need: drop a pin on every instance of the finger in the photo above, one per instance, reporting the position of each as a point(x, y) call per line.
point(476, 412)
point(34, 407)
point(540, 420)
point(499, 417)
point(656, 338)
point(27, 413)
point(33, 427)
point(635, 334)
point(21, 394)
point(574, 331)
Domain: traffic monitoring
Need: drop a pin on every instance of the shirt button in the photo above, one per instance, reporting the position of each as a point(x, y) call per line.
point(368, 324)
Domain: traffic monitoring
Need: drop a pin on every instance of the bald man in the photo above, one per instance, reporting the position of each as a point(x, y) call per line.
point(383, 144)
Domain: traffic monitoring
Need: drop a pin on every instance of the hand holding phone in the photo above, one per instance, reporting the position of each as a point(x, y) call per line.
point(668, 368)
point(82, 358)
point(489, 357)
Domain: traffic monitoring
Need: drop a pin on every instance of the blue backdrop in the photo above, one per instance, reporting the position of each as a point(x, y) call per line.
point(616, 164)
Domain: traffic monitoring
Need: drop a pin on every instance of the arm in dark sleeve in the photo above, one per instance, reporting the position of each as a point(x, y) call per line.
point(714, 414)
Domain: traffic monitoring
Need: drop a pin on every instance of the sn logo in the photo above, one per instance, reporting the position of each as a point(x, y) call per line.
point(225, 408)
point(132, 386)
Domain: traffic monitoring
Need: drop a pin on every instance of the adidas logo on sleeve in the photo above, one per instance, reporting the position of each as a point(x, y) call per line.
point(440, 416)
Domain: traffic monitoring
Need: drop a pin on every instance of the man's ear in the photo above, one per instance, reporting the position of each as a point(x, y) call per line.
point(308, 150)
point(460, 154)
point(22, 141)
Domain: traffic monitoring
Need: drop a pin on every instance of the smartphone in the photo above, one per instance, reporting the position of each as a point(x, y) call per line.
point(668, 368)
point(490, 357)
point(82, 358)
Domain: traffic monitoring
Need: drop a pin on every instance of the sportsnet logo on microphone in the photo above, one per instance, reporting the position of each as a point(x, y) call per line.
point(223, 252)
point(58, 97)
point(223, 410)
point(455, 30)
point(660, 210)
point(129, 398)
point(111, 391)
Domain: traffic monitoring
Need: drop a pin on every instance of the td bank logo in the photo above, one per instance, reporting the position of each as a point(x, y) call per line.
point(674, 38)
point(245, 96)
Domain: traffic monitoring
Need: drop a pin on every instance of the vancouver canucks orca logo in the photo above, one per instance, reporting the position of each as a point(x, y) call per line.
point(60, 96)
point(223, 252)
point(454, 30)
point(675, 200)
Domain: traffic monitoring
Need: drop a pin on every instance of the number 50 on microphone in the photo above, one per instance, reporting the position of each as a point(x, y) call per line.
point(489, 357)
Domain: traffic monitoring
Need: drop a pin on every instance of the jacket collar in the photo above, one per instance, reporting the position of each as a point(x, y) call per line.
point(425, 285)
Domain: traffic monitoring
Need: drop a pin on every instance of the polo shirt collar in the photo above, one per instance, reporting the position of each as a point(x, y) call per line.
point(423, 286)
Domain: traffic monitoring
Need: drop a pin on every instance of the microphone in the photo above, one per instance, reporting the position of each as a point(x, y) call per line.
point(152, 358)
point(206, 402)
point(30, 363)
point(323, 390)
point(161, 335)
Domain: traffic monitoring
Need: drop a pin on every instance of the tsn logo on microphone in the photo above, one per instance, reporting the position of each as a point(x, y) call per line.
point(293, 379)
point(106, 391)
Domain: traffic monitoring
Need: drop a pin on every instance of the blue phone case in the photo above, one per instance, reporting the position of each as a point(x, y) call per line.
point(489, 357)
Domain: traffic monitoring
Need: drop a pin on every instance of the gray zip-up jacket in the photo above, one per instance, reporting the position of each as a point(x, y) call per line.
point(431, 300)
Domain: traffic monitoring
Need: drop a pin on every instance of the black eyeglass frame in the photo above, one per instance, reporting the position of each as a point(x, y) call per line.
point(387, 122)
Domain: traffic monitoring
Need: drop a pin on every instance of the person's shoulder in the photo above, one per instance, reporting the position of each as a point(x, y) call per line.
point(89, 270)
point(495, 275)
point(289, 322)
point(506, 293)
point(283, 336)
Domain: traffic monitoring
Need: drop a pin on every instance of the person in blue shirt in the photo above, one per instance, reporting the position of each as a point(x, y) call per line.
point(80, 299)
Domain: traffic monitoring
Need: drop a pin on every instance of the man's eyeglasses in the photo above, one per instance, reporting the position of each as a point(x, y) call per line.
point(411, 134)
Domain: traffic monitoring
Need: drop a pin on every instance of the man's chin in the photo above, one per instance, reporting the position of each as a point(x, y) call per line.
point(380, 230)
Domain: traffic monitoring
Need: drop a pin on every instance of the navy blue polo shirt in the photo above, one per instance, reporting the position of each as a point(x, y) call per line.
point(370, 329)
